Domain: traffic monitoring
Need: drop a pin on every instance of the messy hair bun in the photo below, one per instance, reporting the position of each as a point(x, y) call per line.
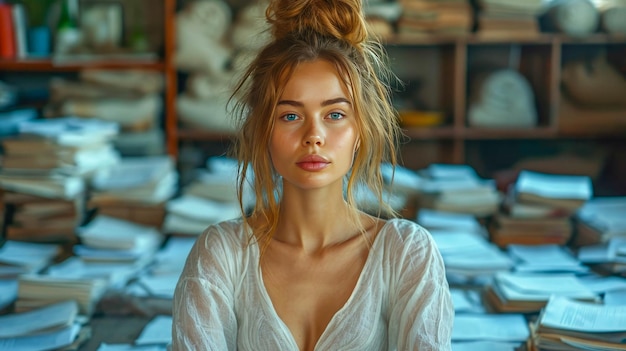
point(340, 19)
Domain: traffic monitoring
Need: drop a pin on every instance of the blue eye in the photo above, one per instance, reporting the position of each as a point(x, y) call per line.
point(290, 117)
point(336, 115)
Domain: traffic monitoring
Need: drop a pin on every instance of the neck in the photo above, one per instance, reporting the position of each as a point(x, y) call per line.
point(314, 220)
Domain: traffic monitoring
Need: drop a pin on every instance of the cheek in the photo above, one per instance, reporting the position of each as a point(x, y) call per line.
point(348, 140)
point(278, 146)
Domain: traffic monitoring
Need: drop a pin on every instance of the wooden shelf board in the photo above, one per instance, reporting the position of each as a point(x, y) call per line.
point(509, 133)
point(445, 132)
point(478, 39)
point(47, 65)
point(186, 134)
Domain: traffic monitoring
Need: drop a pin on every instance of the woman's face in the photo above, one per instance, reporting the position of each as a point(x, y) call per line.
point(315, 129)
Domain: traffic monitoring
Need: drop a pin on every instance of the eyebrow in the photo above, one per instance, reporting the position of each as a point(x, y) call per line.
point(324, 103)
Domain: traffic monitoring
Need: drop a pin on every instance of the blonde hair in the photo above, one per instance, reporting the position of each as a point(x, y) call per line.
point(302, 31)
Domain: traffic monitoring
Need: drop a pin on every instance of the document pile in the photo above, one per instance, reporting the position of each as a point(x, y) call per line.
point(136, 189)
point(31, 218)
point(529, 292)
point(63, 146)
point(599, 220)
point(112, 240)
point(506, 332)
point(50, 327)
point(538, 207)
point(609, 257)
point(457, 188)
point(211, 197)
point(566, 324)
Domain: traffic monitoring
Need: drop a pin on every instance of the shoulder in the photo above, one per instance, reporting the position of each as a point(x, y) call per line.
point(221, 241)
point(218, 253)
point(230, 233)
point(403, 239)
point(400, 231)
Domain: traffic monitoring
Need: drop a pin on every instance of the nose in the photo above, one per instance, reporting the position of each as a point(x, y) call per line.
point(313, 139)
point(313, 134)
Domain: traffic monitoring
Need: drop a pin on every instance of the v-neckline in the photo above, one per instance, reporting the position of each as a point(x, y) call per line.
point(270, 305)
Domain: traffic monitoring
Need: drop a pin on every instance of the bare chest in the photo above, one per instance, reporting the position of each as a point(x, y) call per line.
point(306, 294)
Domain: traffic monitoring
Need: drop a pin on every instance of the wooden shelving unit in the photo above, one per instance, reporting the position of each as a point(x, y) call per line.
point(445, 66)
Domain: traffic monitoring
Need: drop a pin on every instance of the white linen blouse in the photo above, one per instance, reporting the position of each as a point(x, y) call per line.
point(400, 302)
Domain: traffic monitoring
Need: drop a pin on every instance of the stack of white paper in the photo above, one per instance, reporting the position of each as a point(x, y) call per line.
point(18, 257)
point(545, 258)
point(191, 215)
point(47, 318)
point(110, 239)
point(457, 188)
point(470, 255)
point(567, 324)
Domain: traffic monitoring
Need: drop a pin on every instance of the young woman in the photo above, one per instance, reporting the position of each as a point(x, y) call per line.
point(306, 269)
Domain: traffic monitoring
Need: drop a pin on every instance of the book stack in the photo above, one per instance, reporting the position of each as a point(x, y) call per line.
point(538, 209)
point(599, 220)
point(609, 257)
point(548, 258)
point(209, 198)
point(39, 290)
point(13, 26)
point(566, 324)
point(483, 331)
point(217, 181)
point(159, 280)
point(508, 18)
point(191, 215)
point(505, 230)
point(24, 258)
point(457, 188)
point(57, 326)
point(112, 240)
point(33, 218)
point(435, 17)
point(468, 257)
point(513, 292)
point(135, 189)
point(131, 98)
point(64, 146)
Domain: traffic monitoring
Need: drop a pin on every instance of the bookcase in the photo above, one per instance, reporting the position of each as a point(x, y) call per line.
point(160, 29)
point(441, 69)
point(444, 67)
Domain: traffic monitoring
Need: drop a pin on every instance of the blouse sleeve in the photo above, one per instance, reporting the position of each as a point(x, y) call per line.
point(421, 311)
point(203, 305)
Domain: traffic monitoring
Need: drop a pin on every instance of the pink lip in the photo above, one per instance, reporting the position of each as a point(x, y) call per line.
point(312, 163)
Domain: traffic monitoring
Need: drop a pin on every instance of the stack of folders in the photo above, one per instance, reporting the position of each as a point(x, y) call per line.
point(566, 324)
point(51, 327)
point(538, 208)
